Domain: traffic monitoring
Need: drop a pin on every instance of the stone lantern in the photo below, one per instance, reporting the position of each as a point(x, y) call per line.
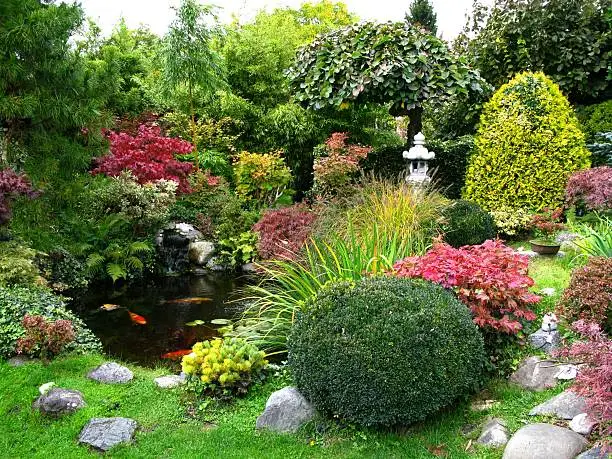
point(419, 158)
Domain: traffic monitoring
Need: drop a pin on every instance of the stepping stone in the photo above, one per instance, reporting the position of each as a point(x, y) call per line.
point(19, 361)
point(494, 434)
point(544, 441)
point(545, 341)
point(286, 411)
point(58, 402)
point(582, 424)
point(169, 382)
point(537, 375)
point(594, 453)
point(104, 433)
point(111, 373)
point(566, 405)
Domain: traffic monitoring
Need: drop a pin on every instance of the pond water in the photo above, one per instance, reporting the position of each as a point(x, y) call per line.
point(166, 305)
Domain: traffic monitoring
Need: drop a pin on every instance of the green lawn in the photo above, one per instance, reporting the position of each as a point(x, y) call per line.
point(169, 429)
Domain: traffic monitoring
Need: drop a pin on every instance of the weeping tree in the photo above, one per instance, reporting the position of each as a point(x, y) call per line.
point(192, 70)
point(394, 64)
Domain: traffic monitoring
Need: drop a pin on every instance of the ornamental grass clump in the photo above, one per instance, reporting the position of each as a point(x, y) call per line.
point(224, 367)
point(385, 351)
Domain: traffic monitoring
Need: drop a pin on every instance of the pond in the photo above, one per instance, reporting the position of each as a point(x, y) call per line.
point(141, 322)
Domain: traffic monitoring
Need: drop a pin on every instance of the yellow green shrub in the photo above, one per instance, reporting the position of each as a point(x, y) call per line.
point(509, 221)
point(528, 143)
point(224, 366)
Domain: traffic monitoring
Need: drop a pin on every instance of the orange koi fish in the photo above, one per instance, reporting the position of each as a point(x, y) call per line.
point(176, 355)
point(139, 320)
point(194, 300)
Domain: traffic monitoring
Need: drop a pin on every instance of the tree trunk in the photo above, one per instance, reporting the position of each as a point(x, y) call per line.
point(194, 140)
point(416, 124)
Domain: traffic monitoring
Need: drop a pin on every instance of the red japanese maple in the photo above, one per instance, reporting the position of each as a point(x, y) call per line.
point(491, 279)
point(12, 185)
point(148, 155)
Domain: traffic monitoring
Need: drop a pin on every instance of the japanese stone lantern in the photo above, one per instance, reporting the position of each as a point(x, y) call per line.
point(419, 158)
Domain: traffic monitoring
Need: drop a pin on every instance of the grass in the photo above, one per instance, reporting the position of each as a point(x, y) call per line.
point(169, 429)
point(549, 272)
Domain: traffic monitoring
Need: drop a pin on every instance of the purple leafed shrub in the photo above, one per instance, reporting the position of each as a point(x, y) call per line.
point(591, 188)
point(12, 185)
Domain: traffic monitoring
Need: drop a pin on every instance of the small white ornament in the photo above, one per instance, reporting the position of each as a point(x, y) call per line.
point(46, 387)
point(549, 322)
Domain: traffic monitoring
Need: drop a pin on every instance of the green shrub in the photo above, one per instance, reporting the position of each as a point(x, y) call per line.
point(511, 222)
point(465, 223)
point(262, 177)
point(17, 266)
point(62, 269)
point(527, 145)
point(238, 250)
point(224, 366)
point(595, 119)
point(16, 302)
point(450, 163)
point(385, 351)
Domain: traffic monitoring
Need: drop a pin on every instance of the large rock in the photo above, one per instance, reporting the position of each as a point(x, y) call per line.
point(169, 382)
point(200, 252)
point(582, 424)
point(19, 361)
point(286, 411)
point(111, 373)
point(537, 375)
point(494, 434)
point(58, 402)
point(566, 405)
point(104, 433)
point(594, 453)
point(545, 341)
point(544, 441)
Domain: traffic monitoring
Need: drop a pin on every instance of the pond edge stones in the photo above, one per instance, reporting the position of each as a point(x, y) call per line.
point(111, 373)
point(286, 411)
point(566, 405)
point(544, 441)
point(494, 434)
point(104, 433)
point(58, 402)
point(537, 375)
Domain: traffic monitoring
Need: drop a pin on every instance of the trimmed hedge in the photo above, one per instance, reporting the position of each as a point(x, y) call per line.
point(385, 351)
point(527, 145)
point(17, 301)
point(466, 223)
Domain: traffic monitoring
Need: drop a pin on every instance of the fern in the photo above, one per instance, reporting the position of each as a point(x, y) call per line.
point(140, 248)
point(115, 271)
point(95, 263)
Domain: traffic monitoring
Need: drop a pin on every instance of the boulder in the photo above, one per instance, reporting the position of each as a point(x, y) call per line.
point(544, 441)
point(249, 268)
point(215, 264)
point(582, 424)
point(286, 411)
point(200, 252)
point(188, 231)
point(58, 402)
point(494, 434)
point(566, 405)
point(104, 433)
point(535, 374)
point(19, 361)
point(545, 341)
point(111, 373)
point(594, 453)
point(169, 382)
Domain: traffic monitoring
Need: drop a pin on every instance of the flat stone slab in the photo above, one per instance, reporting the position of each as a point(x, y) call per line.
point(544, 441)
point(104, 433)
point(545, 341)
point(286, 411)
point(494, 434)
point(566, 405)
point(58, 402)
point(538, 375)
point(169, 382)
point(111, 373)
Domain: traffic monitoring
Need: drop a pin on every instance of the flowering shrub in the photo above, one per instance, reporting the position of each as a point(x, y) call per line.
point(224, 366)
point(594, 380)
point(588, 296)
point(282, 232)
point(12, 185)
point(491, 279)
point(590, 188)
point(509, 221)
point(148, 155)
point(44, 338)
point(547, 223)
point(335, 170)
point(262, 177)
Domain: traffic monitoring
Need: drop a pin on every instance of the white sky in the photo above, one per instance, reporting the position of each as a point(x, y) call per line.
point(157, 14)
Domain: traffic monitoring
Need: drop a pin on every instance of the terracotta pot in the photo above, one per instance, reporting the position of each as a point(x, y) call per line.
point(545, 247)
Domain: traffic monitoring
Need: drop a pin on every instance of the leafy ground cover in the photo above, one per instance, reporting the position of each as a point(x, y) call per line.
point(170, 428)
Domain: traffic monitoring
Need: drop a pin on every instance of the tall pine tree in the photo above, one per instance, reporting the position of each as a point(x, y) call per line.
point(421, 13)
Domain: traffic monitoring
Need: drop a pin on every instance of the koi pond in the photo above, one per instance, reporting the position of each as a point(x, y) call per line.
point(155, 320)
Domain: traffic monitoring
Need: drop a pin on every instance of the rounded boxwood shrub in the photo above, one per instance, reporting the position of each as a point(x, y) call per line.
point(528, 143)
point(16, 302)
point(385, 351)
point(466, 223)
